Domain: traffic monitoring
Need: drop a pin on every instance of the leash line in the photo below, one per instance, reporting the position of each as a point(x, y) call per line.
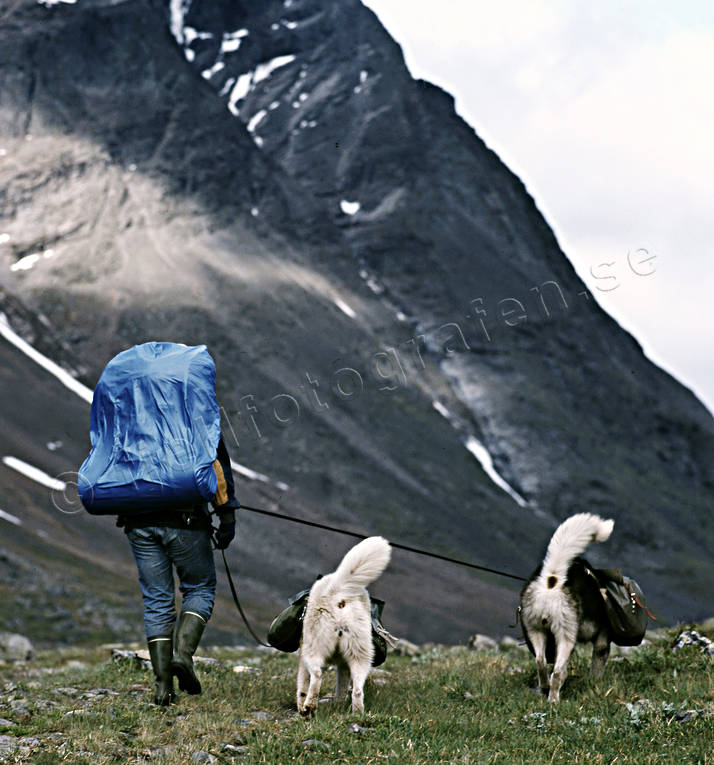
point(237, 602)
point(396, 545)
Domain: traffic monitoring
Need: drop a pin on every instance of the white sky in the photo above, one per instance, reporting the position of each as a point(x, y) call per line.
point(606, 111)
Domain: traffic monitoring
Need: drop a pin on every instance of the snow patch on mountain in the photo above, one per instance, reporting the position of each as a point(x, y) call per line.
point(232, 40)
point(226, 86)
point(190, 34)
point(239, 91)
point(345, 308)
point(441, 409)
point(248, 80)
point(208, 73)
point(54, 369)
point(255, 120)
point(26, 263)
point(482, 455)
point(349, 208)
point(33, 473)
point(10, 518)
point(254, 475)
point(178, 9)
point(264, 70)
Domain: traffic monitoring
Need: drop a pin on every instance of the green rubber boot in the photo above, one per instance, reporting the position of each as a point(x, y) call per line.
point(161, 653)
point(188, 635)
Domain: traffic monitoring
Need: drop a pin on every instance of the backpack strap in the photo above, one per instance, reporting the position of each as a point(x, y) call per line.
point(636, 599)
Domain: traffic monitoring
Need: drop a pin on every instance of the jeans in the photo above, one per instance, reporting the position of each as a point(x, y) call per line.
point(156, 550)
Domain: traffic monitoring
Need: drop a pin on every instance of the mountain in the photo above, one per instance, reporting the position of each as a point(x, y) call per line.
point(402, 347)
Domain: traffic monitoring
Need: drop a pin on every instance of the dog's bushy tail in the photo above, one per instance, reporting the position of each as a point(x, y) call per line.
point(361, 566)
point(570, 539)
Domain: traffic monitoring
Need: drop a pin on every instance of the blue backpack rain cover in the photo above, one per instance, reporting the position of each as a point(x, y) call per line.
point(155, 428)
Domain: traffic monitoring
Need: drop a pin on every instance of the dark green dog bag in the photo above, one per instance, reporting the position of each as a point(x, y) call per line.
point(378, 641)
point(625, 606)
point(286, 630)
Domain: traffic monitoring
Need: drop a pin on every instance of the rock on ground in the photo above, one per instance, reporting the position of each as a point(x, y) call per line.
point(15, 647)
point(482, 643)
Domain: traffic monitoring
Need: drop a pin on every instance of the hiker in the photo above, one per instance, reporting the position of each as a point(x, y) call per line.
point(166, 538)
point(157, 461)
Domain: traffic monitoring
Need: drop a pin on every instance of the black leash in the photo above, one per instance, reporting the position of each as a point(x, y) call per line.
point(397, 545)
point(237, 602)
point(323, 526)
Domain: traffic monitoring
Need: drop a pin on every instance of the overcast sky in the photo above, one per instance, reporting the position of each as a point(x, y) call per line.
point(606, 111)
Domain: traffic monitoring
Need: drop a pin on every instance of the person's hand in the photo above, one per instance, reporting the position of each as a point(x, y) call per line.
point(225, 535)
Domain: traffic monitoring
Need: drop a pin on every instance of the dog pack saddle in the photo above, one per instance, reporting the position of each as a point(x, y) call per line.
point(155, 428)
point(625, 605)
point(285, 631)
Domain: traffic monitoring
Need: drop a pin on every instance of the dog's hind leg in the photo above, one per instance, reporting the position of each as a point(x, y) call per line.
point(564, 647)
point(314, 667)
point(303, 678)
point(359, 671)
point(601, 652)
point(538, 641)
point(343, 679)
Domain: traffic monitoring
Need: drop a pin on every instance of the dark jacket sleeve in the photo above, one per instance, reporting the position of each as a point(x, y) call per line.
point(226, 502)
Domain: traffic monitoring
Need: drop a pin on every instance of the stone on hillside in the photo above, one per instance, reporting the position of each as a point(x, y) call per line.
point(379, 676)
point(15, 647)
point(508, 642)
point(315, 745)
point(242, 669)
point(202, 757)
point(693, 638)
point(235, 748)
point(8, 745)
point(162, 751)
point(686, 715)
point(624, 650)
point(482, 643)
point(20, 710)
point(206, 661)
point(405, 648)
point(141, 658)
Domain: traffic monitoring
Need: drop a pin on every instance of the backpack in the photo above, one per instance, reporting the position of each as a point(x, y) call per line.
point(154, 430)
point(285, 631)
point(625, 606)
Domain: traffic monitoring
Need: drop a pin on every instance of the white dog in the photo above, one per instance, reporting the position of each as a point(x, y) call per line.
point(337, 626)
point(561, 603)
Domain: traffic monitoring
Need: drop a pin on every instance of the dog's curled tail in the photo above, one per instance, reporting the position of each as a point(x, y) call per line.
point(361, 566)
point(569, 540)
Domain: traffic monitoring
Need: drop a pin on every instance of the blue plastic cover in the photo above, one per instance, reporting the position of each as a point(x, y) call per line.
point(155, 428)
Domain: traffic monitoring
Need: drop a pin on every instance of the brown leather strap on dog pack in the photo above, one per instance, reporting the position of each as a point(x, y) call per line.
point(634, 597)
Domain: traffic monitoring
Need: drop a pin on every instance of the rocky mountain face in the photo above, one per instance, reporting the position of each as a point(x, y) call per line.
point(402, 347)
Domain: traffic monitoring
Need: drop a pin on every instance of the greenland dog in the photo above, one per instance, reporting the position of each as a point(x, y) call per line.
point(337, 626)
point(561, 603)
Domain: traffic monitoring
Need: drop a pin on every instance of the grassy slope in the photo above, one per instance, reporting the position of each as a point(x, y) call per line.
point(446, 705)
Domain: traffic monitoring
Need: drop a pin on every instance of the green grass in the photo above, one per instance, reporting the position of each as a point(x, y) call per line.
point(446, 705)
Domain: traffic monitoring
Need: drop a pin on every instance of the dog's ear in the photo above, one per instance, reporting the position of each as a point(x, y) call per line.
point(319, 576)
